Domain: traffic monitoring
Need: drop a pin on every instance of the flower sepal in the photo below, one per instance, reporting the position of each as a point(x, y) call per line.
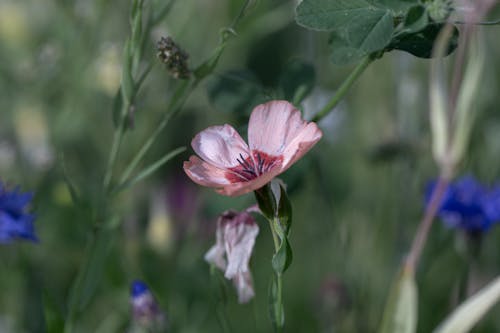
point(276, 207)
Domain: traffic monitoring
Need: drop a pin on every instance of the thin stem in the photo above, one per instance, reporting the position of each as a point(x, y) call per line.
point(278, 305)
point(115, 147)
point(426, 223)
point(175, 104)
point(358, 70)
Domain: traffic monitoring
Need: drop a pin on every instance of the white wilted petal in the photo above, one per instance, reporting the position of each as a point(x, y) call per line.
point(239, 236)
point(236, 233)
point(216, 253)
point(244, 286)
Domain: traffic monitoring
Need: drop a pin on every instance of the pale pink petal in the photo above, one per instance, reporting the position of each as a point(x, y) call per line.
point(273, 126)
point(221, 146)
point(244, 287)
point(239, 236)
point(301, 144)
point(204, 173)
point(216, 253)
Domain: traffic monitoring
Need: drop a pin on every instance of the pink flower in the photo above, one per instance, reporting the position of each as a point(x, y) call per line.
point(235, 238)
point(277, 137)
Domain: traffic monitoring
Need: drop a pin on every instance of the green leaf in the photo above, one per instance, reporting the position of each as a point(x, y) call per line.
point(399, 7)
point(360, 27)
point(150, 169)
point(341, 53)
point(420, 44)
point(297, 80)
point(284, 211)
point(416, 20)
point(54, 320)
point(472, 310)
point(265, 200)
point(90, 273)
point(327, 15)
point(236, 91)
point(117, 108)
point(75, 197)
point(127, 82)
point(400, 313)
point(373, 33)
point(283, 258)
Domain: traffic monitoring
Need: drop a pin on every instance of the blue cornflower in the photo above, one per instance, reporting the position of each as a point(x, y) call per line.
point(468, 205)
point(15, 221)
point(145, 309)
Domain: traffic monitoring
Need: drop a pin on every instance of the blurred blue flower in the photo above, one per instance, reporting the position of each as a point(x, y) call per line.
point(468, 205)
point(15, 222)
point(145, 310)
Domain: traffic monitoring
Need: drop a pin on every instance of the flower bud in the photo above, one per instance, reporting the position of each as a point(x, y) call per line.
point(173, 57)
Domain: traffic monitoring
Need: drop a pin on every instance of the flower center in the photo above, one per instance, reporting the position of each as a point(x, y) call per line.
point(252, 167)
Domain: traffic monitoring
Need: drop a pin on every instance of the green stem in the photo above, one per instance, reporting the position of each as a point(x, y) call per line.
point(278, 319)
point(358, 70)
point(175, 104)
point(115, 147)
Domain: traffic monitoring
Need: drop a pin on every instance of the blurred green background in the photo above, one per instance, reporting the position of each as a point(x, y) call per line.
point(357, 196)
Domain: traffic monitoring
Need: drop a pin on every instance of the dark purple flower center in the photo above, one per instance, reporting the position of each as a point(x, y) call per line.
point(253, 166)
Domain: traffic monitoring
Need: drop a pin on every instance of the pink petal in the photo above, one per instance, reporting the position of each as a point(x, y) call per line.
point(220, 146)
point(216, 253)
point(239, 236)
point(273, 126)
point(301, 144)
point(244, 286)
point(277, 128)
point(204, 173)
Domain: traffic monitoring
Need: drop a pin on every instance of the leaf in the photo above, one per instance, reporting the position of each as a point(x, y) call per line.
point(283, 258)
point(87, 280)
point(416, 20)
point(399, 7)
point(373, 33)
point(420, 44)
point(284, 211)
point(341, 53)
point(327, 15)
point(265, 199)
point(297, 80)
point(472, 310)
point(235, 91)
point(150, 169)
point(362, 27)
point(400, 313)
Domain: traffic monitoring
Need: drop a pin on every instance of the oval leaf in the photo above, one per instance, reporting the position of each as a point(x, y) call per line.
point(400, 314)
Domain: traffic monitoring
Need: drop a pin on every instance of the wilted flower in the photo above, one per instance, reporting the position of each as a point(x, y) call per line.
point(235, 238)
point(15, 222)
point(145, 309)
point(468, 205)
point(277, 137)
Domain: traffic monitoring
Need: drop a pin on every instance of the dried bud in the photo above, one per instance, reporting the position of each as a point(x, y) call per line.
point(173, 57)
